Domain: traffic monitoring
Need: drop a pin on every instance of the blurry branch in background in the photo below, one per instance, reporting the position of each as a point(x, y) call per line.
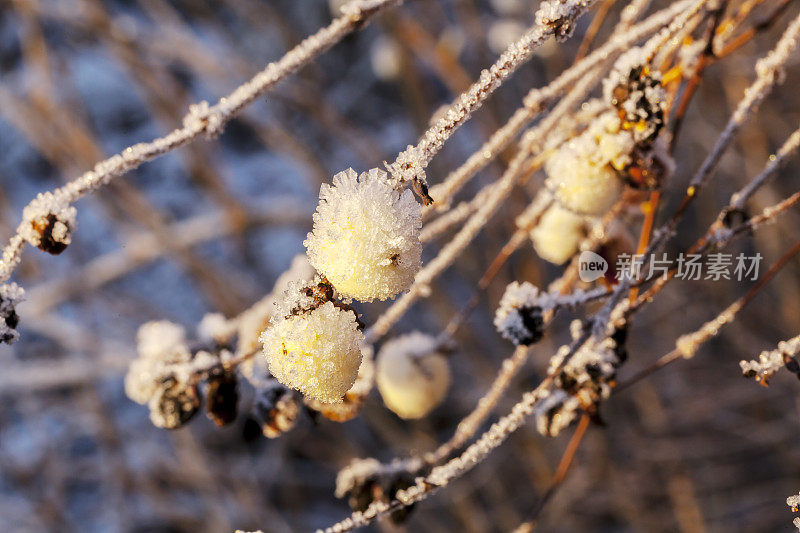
point(50, 218)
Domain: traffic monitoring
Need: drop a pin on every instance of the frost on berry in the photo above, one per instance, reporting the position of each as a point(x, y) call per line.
point(313, 344)
point(48, 222)
point(581, 173)
point(558, 234)
point(365, 239)
point(412, 375)
point(160, 345)
point(10, 295)
point(519, 315)
point(252, 322)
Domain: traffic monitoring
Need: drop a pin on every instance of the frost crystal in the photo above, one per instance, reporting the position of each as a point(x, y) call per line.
point(558, 234)
point(48, 222)
point(365, 239)
point(581, 173)
point(10, 295)
point(771, 361)
point(412, 375)
point(313, 347)
point(519, 315)
point(794, 503)
point(559, 15)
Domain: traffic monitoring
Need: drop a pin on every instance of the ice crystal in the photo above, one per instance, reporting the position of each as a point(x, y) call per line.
point(10, 295)
point(519, 315)
point(558, 234)
point(412, 375)
point(365, 239)
point(559, 15)
point(770, 361)
point(314, 348)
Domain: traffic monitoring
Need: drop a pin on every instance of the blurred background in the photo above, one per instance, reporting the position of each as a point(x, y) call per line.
point(209, 227)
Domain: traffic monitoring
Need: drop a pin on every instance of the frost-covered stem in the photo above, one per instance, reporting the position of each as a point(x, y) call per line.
point(451, 250)
point(687, 345)
point(144, 247)
point(630, 13)
point(470, 424)
point(440, 476)
point(770, 361)
point(721, 237)
point(769, 74)
point(538, 98)
point(775, 163)
point(553, 17)
point(458, 214)
point(204, 118)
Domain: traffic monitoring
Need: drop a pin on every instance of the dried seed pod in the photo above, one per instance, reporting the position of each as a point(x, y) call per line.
point(635, 90)
point(10, 295)
point(173, 405)
point(276, 408)
point(222, 398)
point(48, 222)
point(519, 317)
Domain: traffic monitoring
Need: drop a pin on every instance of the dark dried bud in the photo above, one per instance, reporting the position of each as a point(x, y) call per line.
point(276, 408)
point(222, 398)
point(173, 406)
point(734, 217)
point(533, 322)
point(10, 295)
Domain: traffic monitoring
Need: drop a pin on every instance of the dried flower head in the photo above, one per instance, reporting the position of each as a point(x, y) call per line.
point(519, 315)
point(634, 88)
point(276, 409)
point(558, 235)
point(172, 406)
point(412, 375)
point(10, 295)
point(222, 398)
point(366, 236)
point(366, 481)
point(313, 344)
point(48, 222)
